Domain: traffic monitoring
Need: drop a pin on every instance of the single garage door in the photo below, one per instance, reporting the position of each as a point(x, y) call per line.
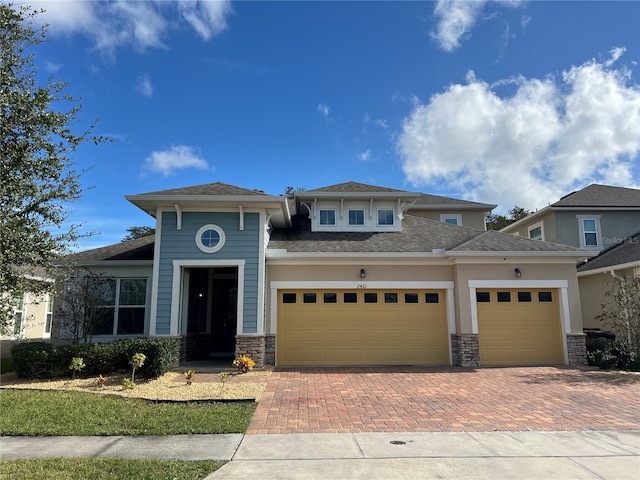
point(519, 327)
point(362, 327)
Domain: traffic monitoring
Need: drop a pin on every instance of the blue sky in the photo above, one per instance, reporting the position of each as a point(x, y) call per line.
point(514, 103)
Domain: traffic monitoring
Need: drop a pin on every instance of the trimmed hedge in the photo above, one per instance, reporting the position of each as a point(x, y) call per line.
point(40, 360)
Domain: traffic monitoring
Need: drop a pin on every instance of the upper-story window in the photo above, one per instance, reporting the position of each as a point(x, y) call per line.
point(451, 218)
point(356, 217)
point(589, 227)
point(210, 238)
point(536, 231)
point(385, 216)
point(327, 217)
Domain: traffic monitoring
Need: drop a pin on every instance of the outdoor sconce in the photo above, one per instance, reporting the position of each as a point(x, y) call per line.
point(362, 273)
point(518, 273)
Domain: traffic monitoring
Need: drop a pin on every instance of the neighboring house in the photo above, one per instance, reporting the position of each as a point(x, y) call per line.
point(32, 320)
point(350, 274)
point(596, 277)
point(594, 218)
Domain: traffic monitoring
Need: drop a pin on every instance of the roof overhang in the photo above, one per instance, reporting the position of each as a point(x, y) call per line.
point(610, 268)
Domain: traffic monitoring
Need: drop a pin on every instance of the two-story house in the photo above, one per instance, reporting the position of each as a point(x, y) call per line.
point(599, 218)
point(349, 274)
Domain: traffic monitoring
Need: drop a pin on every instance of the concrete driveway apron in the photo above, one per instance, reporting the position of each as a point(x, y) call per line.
point(453, 399)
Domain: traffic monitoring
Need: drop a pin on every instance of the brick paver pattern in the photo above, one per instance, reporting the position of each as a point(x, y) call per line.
point(423, 399)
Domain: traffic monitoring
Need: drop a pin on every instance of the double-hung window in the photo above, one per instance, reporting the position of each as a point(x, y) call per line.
point(19, 313)
point(589, 227)
point(356, 217)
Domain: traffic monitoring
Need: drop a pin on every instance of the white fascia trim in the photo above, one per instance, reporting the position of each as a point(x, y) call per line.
point(513, 254)
point(155, 274)
point(262, 274)
point(178, 266)
point(284, 255)
point(518, 284)
point(621, 266)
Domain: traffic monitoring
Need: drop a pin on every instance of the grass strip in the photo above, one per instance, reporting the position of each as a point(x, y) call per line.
point(45, 413)
point(103, 469)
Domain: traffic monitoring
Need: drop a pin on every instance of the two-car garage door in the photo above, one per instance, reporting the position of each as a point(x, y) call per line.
point(362, 327)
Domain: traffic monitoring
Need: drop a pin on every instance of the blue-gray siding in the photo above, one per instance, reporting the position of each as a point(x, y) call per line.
point(180, 245)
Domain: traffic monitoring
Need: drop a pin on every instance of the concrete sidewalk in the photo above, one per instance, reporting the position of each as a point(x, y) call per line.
point(447, 455)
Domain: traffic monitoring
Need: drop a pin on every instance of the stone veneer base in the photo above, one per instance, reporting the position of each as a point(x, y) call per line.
point(253, 346)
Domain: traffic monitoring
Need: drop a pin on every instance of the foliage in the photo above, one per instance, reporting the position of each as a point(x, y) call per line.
point(243, 363)
point(621, 313)
point(6, 365)
point(189, 375)
point(38, 176)
point(82, 311)
point(101, 381)
point(32, 359)
point(107, 469)
point(44, 413)
point(128, 383)
point(138, 232)
point(137, 361)
point(498, 222)
point(38, 360)
point(76, 365)
point(290, 192)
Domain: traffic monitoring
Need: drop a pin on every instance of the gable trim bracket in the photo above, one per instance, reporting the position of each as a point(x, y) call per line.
point(178, 208)
point(241, 211)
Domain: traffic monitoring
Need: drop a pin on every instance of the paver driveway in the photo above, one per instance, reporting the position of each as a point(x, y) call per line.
point(422, 399)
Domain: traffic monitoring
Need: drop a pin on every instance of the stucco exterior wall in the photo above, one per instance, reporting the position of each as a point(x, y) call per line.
point(614, 226)
point(548, 220)
point(33, 324)
point(538, 271)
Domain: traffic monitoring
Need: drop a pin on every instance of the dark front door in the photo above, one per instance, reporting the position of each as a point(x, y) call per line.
point(224, 299)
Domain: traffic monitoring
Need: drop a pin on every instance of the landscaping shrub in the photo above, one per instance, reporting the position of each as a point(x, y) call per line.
point(32, 359)
point(39, 360)
point(619, 355)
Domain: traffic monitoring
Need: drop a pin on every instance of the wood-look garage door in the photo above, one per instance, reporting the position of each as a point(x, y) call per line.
point(519, 327)
point(362, 327)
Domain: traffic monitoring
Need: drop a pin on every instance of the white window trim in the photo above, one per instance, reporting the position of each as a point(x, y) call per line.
point(583, 244)
point(456, 216)
point(364, 217)
point(202, 247)
point(48, 300)
point(393, 217)
point(23, 317)
point(533, 227)
point(116, 309)
point(335, 217)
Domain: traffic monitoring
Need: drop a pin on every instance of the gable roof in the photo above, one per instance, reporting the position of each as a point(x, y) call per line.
point(418, 235)
point(624, 253)
point(596, 195)
point(352, 187)
point(130, 250)
point(217, 189)
point(431, 202)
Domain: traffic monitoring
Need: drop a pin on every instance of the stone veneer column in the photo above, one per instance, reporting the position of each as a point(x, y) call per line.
point(577, 349)
point(465, 350)
point(270, 349)
point(253, 346)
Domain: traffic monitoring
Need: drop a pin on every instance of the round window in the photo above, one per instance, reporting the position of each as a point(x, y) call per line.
point(210, 238)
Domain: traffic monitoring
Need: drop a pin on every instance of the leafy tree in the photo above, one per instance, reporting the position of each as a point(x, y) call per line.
point(289, 192)
point(497, 222)
point(38, 176)
point(138, 232)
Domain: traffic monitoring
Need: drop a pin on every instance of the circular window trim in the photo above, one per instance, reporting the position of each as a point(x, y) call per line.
point(202, 247)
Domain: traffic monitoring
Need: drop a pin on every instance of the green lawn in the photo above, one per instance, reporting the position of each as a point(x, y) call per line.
point(45, 413)
point(103, 469)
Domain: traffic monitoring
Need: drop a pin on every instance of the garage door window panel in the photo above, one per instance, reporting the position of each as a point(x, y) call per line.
point(370, 298)
point(390, 297)
point(483, 297)
point(524, 297)
point(289, 298)
point(411, 298)
point(545, 297)
point(330, 297)
point(350, 297)
point(504, 297)
point(309, 298)
point(431, 298)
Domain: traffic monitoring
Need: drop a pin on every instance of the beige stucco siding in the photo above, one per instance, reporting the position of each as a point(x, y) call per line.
point(34, 316)
point(539, 272)
point(548, 225)
point(351, 273)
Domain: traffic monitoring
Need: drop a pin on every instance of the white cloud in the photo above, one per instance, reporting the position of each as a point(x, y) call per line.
point(456, 18)
point(52, 67)
point(324, 110)
point(365, 156)
point(178, 157)
point(130, 23)
point(552, 135)
point(382, 123)
point(144, 86)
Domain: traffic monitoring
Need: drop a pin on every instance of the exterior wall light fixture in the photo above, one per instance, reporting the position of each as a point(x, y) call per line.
point(362, 273)
point(518, 273)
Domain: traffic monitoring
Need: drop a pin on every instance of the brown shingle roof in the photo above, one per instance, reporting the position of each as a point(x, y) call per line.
point(425, 200)
point(352, 187)
point(596, 195)
point(217, 188)
point(493, 241)
point(138, 249)
point(627, 251)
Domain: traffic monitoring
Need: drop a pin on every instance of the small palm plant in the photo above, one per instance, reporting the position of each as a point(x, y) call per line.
point(136, 361)
point(189, 375)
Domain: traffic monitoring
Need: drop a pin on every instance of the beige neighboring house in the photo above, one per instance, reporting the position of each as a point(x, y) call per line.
point(32, 320)
point(597, 276)
point(349, 274)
